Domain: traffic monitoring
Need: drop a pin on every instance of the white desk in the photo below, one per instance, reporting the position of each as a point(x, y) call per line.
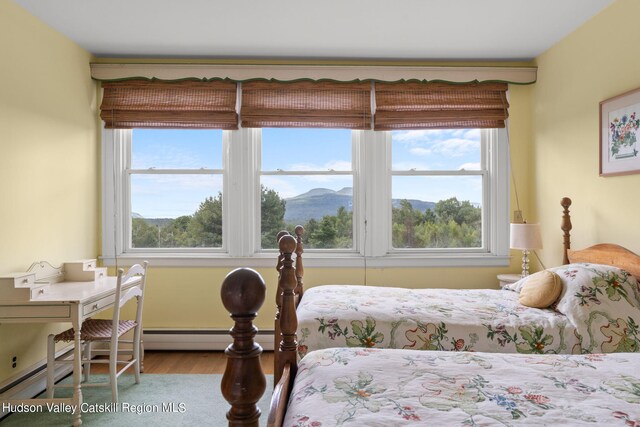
point(66, 302)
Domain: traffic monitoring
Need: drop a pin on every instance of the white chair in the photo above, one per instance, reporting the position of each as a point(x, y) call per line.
point(107, 332)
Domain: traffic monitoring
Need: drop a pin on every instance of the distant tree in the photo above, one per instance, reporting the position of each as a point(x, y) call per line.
point(174, 234)
point(205, 227)
point(324, 236)
point(460, 212)
point(344, 228)
point(144, 235)
point(272, 217)
point(405, 220)
point(451, 224)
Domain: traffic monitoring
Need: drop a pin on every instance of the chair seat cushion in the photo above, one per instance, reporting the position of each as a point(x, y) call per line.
point(96, 330)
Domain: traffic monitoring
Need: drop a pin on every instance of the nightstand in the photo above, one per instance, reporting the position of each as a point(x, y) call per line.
point(506, 279)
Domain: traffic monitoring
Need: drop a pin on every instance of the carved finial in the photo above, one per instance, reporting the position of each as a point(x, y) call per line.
point(280, 234)
point(243, 292)
point(243, 383)
point(287, 244)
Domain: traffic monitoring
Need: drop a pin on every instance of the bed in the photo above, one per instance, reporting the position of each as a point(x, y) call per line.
point(355, 386)
point(598, 304)
point(371, 387)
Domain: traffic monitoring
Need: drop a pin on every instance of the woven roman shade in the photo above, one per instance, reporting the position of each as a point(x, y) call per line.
point(440, 105)
point(306, 104)
point(157, 104)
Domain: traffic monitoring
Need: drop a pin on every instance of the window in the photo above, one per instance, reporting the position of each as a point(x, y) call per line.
point(438, 179)
point(176, 188)
point(393, 194)
point(307, 179)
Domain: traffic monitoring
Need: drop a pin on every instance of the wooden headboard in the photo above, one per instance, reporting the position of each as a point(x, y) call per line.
point(604, 253)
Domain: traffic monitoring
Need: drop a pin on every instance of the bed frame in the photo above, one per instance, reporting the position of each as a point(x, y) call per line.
point(290, 290)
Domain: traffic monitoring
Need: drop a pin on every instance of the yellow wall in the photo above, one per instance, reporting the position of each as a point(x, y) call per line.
point(596, 62)
point(49, 161)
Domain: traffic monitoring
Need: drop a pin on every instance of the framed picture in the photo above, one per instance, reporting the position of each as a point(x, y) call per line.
point(619, 134)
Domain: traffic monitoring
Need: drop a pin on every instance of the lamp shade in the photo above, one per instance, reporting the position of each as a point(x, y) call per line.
point(525, 236)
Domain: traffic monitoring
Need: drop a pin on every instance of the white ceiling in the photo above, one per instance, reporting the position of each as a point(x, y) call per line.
point(329, 29)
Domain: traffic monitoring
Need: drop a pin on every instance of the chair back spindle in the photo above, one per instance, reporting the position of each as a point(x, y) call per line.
point(243, 383)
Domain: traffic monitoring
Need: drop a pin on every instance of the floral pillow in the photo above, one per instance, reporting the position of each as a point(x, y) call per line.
point(603, 302)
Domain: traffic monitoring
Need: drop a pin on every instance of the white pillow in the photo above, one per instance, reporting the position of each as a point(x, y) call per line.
point(603, 303)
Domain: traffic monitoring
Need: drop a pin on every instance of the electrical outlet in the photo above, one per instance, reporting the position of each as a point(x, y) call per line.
point(14, 362)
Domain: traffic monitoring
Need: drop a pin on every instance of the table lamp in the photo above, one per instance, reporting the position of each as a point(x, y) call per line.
point(525, 237)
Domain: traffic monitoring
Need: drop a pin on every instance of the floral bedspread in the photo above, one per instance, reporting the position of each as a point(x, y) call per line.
point(371, 387)
point(429, 319)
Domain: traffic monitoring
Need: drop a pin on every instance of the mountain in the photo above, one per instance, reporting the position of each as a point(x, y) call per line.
point(416, 204)
point(319, 202)
point(158, 222)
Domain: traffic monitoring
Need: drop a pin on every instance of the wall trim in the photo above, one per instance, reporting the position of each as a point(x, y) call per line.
point(198, 339)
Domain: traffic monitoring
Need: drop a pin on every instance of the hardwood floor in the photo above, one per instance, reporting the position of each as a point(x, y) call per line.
point(188, 362)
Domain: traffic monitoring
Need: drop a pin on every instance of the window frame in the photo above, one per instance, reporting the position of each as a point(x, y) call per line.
point(371, 153)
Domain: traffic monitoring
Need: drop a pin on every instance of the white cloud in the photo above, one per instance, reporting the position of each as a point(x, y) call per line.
point(161, 184)
point(418, 135)
point(456, 147)
point(283, 186)
point(472, 134)
point(420, 151)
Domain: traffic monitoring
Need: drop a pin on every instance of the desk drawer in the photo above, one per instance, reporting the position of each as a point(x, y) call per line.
point(95, 306)
point(39, 291)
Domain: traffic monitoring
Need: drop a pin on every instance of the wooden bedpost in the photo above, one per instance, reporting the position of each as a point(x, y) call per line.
point(299, 230)
point(288, 321)
point(276, 323)
point(243, 383)
point(566, 228)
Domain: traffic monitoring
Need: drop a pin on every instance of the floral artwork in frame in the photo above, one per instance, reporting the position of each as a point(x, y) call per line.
point(620, 134)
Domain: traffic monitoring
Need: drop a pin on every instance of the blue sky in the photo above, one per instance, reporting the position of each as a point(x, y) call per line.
point(166, 196)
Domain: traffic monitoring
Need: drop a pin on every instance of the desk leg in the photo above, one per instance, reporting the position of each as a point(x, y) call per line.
point(77, 366)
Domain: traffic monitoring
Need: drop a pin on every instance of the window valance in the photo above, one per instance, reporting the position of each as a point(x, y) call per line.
point(389, 72)
point(316, 104)
point(157, 104)
point(440, 105)
point(306, 104)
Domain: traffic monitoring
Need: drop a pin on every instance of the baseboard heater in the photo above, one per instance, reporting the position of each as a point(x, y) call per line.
point(197, 339)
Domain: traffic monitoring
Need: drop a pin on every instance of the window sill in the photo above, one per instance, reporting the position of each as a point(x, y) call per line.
point(313, 260)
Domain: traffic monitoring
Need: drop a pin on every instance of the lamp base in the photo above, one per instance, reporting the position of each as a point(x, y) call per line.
point(525, 263)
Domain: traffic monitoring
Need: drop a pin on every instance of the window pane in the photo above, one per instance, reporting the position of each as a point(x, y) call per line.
point(322, 204)
point(436, 149)
point(306, 149)
point(176, 149)
point(176, 211)
point(437, 211)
